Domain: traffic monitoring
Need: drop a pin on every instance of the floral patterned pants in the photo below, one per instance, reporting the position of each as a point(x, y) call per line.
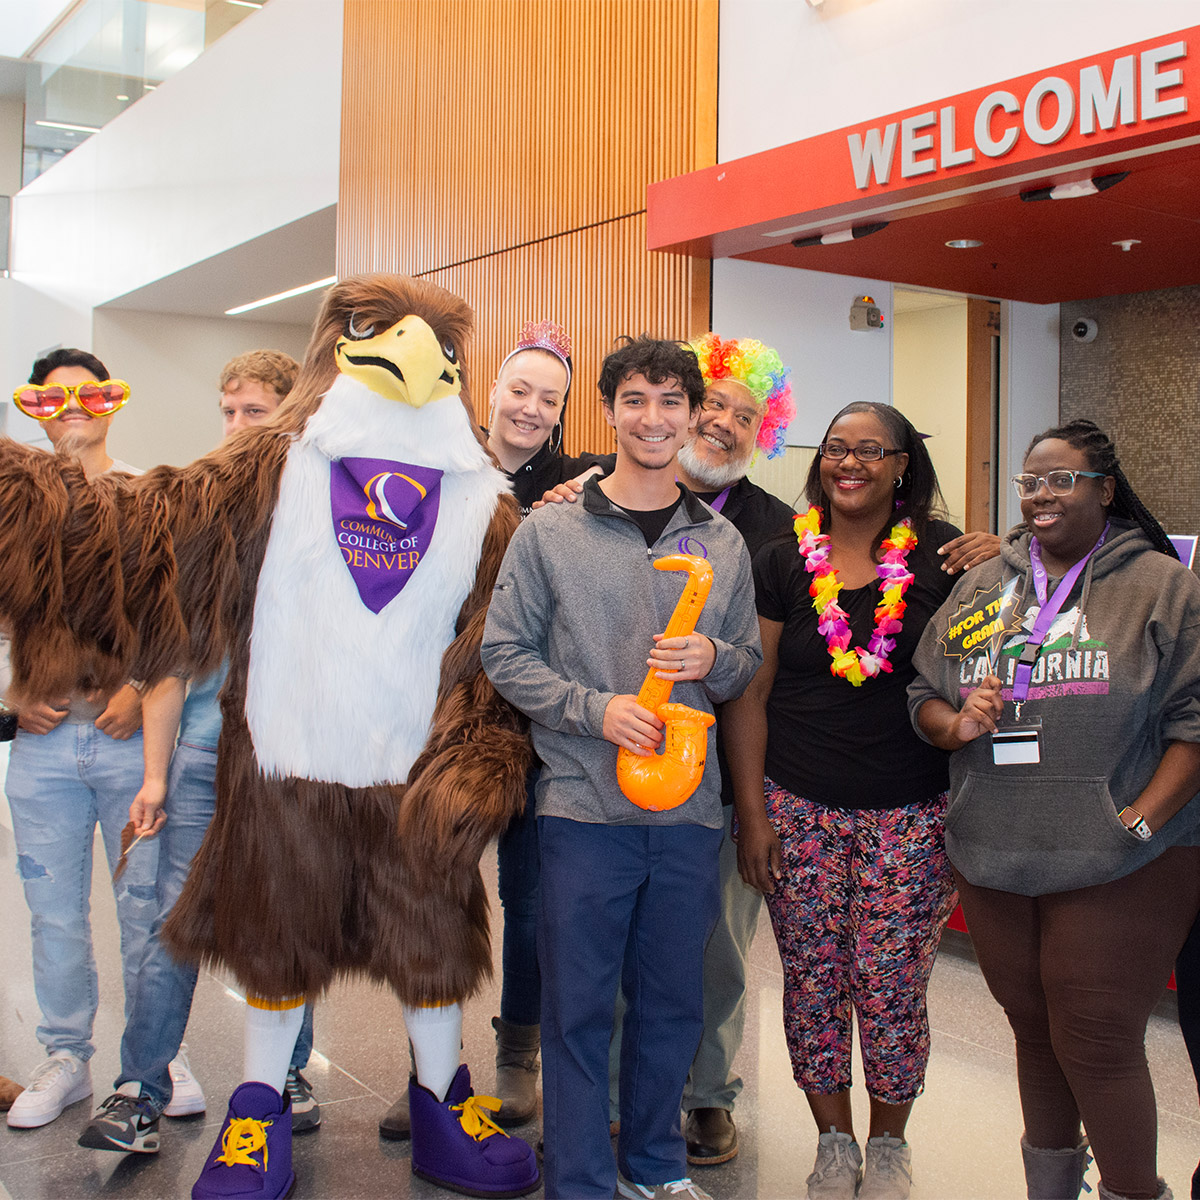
point(857, 916)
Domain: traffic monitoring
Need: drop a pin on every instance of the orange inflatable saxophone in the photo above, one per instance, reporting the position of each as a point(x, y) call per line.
point(662, 781)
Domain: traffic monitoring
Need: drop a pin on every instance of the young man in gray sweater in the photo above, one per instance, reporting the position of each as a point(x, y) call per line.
point(627, 893)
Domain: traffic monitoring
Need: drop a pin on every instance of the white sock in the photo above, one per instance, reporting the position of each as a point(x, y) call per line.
point(436, 1036)
point(270, 1038)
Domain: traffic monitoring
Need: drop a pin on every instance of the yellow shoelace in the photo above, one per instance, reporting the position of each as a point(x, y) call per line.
point(475, 1120)
point(243, 1137)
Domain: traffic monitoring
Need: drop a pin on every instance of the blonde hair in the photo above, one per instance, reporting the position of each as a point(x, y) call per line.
point(271, 368)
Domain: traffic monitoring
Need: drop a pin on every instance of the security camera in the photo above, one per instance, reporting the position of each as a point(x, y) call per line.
point(1085, 330)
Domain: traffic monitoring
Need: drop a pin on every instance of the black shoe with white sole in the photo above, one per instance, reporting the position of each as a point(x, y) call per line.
point(125, 1123)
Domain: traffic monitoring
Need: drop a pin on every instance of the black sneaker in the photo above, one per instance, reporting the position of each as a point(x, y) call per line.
point(306, 1112)
point(123, 1122)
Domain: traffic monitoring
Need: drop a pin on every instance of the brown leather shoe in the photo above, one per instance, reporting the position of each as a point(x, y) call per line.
point(711, 1136)
point(9, 1091)
point(394, 1124)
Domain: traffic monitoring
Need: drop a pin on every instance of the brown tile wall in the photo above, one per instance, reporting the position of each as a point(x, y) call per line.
point(1140, 382)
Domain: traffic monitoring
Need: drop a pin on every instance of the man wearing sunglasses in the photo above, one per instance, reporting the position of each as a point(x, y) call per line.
point(76, 761)
point(70, 393)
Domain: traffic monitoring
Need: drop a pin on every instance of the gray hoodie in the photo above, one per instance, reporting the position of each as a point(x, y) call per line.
point(1118, 678)
point(570, 625)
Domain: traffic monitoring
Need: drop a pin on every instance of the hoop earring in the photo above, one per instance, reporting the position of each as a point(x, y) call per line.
point(552, 444)
point(899, 481)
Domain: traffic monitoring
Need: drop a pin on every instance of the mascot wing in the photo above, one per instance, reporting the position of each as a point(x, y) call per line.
point(116, 578)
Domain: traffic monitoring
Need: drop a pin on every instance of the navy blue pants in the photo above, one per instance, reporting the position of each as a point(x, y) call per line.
point(632, 904)
point(517, 858)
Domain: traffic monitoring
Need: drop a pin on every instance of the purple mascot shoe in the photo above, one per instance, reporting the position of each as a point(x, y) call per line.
point(252, 1158)
point(457, 1145)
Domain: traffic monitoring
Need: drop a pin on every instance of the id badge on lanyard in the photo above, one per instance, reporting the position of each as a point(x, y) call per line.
point(1020, 742)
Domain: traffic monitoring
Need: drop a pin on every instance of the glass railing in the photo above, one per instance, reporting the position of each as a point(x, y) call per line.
point(104, 57)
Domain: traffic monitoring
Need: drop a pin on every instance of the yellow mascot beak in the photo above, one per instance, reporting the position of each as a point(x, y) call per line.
point(405, 363)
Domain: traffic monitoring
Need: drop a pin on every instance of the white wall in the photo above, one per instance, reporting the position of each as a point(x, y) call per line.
point(1028, 389)
point(929, 386)
point(788, 71)
point(12, 143)
point(244, 140)
point(805, 315)
point(172, 365)
point(240, 142)
point(32, 321)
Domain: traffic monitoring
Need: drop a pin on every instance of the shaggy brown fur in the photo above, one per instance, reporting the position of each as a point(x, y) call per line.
point(297, 881)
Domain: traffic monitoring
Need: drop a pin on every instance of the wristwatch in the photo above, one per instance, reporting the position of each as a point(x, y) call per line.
point(1137, 826)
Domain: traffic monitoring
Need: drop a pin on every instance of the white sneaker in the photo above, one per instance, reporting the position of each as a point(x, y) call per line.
point(677, 1187)
point(887, 1174)
point(61, 1080)
point(838, 1168)
point(187, 1096)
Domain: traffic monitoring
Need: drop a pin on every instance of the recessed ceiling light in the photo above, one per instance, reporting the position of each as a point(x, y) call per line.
point(1128, 244)
point(963, 243)
point(122, 97)
point(65, 125)
point(297, 291)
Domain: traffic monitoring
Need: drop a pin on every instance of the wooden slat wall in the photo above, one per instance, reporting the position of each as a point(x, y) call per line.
point(503, 147)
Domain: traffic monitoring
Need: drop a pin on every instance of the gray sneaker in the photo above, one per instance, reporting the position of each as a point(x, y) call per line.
point(306, 1112)
point(677, 1187)
point(838, 1168)
point(887, 1174)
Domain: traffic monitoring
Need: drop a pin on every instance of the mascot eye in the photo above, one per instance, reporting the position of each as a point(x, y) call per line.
point(449, 351)
point(358, 334)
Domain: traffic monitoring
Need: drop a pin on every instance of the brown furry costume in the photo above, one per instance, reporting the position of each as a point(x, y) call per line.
point(298, 880)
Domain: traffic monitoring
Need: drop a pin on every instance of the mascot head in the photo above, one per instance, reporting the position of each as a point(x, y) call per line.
point(401, 337)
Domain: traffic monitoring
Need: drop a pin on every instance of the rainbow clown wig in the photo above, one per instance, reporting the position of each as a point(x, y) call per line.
point(761, 372)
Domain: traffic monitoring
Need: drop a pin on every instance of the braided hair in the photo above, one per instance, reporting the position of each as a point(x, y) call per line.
point(1101, 453)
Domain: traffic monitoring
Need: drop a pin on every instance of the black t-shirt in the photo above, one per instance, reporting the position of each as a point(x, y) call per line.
point(652, 521)
point(827, 740)
point(545, 470)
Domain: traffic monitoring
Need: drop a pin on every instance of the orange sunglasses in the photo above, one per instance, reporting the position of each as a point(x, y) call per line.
point(45, 401)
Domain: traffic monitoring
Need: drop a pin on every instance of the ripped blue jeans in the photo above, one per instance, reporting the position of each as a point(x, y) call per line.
point(59, 785)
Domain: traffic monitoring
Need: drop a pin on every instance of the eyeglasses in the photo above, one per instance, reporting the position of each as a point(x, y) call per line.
point(45, 401)
point(1060, 483)
point(836, 451)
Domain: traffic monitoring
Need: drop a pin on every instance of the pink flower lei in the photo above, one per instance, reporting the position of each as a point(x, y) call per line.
point(894, 578)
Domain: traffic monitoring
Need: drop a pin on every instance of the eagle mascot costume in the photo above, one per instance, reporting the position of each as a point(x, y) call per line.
point(341, 558)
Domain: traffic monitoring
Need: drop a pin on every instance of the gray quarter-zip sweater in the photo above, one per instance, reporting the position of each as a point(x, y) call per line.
point(571, 623)
point(1118, 678)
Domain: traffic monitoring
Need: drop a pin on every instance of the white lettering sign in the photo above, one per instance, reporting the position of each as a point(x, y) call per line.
point(1051, 108)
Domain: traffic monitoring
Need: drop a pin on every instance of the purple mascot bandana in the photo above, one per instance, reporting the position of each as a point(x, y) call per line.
point(384, 515)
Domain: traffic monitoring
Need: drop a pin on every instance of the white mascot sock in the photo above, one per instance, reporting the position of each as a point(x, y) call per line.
point(271, 1032)
point(436, 1036)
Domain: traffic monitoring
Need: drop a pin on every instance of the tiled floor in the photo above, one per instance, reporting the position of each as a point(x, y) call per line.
point(964, 1130)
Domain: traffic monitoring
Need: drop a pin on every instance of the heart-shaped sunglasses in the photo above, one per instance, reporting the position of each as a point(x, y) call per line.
point(45, 401)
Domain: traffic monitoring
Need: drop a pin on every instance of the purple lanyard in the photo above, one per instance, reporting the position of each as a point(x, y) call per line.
point(719, 502)
point(1049, 609)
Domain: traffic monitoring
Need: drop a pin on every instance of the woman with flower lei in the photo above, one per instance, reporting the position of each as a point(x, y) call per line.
point(840, 805)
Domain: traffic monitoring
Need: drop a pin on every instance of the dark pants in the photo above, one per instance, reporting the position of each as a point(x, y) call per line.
point(632, 904)
point(1187, 980)
point(517, 860)
point(1078, 974)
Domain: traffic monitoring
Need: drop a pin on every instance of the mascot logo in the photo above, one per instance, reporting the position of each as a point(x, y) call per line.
point(384, 516)
point(377, 499)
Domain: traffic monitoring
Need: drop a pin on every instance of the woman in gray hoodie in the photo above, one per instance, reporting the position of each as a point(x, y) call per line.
point(1065, 677)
